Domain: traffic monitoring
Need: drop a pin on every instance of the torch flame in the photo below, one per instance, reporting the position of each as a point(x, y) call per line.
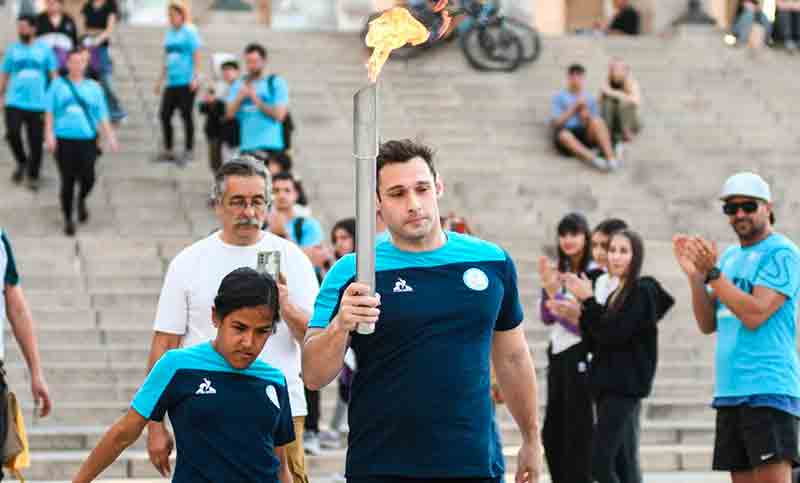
point(395, 28)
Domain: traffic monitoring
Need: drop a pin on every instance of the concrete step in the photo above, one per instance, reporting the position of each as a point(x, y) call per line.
point(61, 465)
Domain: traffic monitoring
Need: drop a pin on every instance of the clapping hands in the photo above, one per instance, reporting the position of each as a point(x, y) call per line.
point(579, 286)
point(695, 255)
point(548, 275)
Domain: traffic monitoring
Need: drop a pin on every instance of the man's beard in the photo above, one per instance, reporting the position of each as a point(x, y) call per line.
point(25, 38)
point(752, 233)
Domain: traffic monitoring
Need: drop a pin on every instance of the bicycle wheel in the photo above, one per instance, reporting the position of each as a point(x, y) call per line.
point(529, 36)
point(492, 48)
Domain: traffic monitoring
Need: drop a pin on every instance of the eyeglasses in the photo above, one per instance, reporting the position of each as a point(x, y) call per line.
point(241, 204)
point(731, 209)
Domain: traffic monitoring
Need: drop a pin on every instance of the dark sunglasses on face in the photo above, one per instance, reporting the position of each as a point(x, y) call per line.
point(731, 209)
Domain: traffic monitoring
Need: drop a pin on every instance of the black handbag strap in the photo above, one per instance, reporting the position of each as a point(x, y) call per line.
point(83, 105)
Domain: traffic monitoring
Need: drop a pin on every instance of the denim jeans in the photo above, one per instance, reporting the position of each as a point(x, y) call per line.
point(744, 24)
point(788, 24)
point(116, 112)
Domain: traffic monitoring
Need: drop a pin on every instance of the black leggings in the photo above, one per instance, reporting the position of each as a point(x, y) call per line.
point(76, 159)
point(34, 130)
point(182, 99)
point(312, 419)
point(569, 418)
point(615, 446)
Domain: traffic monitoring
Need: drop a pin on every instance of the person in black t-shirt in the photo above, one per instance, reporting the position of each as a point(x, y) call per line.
point(57, 29)
point(100, 18)
point(219, 130)
point(626, 20)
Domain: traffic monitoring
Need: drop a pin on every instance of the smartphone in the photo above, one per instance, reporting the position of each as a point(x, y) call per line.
point(269, 262)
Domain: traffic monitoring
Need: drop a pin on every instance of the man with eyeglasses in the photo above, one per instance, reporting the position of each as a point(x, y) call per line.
point(242, 195)
point(749, 298)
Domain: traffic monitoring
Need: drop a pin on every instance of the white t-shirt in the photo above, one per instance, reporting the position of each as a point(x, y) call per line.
point(192, 281)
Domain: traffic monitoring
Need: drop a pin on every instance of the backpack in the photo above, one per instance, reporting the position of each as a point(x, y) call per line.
point(288, 122)
point(298, 229)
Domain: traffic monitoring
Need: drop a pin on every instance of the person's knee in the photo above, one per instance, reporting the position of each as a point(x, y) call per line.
point(565, 137)
point(779, 472)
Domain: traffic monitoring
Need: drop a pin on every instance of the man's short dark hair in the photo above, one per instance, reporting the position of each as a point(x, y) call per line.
point(610, 226)
point(402, 151)
point(230, 64)
point(576, 69)
point(284, 176)
point(29, 19)
point(258, 48)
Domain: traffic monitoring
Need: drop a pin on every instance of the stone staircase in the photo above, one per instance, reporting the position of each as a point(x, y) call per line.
point(708, 112)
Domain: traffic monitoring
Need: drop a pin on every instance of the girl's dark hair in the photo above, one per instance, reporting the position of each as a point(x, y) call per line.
point(574, 223)
point(348, 225)
point(610, 226)
point(634, 269)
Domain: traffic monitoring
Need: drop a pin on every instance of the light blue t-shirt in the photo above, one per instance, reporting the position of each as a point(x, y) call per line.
point(180, 46)
point(310, 232)
point(28, 67)
point(69, 119)
point(256, 129)
point(763, 361)
point(564, 100)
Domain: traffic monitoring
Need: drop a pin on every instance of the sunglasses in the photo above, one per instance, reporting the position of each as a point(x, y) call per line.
point(731, 209)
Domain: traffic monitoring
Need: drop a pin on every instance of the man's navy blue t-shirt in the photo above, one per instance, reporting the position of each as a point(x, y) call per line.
point(420, 403)
point(227, 421)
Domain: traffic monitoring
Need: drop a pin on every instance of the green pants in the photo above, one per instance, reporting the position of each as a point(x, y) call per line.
point(620, 117)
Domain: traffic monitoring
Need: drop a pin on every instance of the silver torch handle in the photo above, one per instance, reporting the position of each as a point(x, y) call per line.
point(365, 152)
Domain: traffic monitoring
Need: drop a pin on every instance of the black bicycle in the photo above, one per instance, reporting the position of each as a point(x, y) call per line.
point(490, 41)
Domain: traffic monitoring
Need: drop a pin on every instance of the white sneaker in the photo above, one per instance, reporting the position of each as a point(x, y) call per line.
point(330, 439)
point(600, 163)
point(311, 444)
point(619, 150)
point(614, 164)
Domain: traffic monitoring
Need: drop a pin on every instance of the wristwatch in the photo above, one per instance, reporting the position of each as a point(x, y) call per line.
point(712, 275)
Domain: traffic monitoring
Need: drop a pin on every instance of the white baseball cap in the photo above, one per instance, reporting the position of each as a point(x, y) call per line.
point(746, 184)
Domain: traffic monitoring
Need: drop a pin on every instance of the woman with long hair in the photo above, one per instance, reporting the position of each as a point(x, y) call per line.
point(567, 431)
point(620, 329)
point(620, 99)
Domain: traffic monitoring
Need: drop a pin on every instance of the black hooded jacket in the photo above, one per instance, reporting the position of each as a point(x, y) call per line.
point(624, 344)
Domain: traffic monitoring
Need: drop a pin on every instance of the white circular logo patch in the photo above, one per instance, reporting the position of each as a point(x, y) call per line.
point(475, 279)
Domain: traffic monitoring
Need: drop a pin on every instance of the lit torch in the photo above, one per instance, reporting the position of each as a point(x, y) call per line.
point(393, 29)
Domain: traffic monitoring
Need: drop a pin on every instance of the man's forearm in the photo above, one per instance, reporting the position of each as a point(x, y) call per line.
point(516, 377)
point(702, 307)
point(559, 122)
point(323, 354)
point(277, 113)
point(751, 311)
point(21, 320)
point(233, 107)
point(296, 319)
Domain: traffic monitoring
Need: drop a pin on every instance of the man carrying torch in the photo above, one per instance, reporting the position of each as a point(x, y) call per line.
point(443, 305)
